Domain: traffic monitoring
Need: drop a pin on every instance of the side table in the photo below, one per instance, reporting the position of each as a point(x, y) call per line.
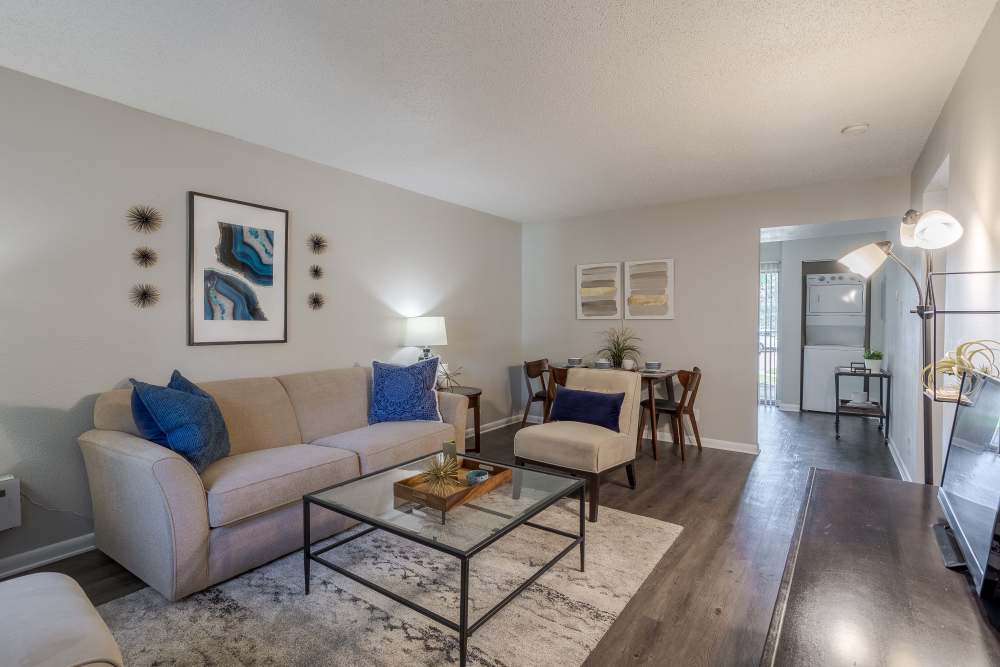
point(473, 394)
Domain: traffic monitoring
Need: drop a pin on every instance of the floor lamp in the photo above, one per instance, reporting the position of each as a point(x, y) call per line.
point(928, 231)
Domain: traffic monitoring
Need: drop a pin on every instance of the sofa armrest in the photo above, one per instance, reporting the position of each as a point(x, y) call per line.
point(150, 510)
point(454, 410)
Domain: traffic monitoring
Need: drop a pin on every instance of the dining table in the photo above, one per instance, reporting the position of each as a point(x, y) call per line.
point(649, 378)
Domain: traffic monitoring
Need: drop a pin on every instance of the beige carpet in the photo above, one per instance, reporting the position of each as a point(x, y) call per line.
point(263, 617)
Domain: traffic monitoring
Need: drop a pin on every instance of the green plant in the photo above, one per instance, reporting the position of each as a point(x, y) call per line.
point(620, 344)
point(873, 355)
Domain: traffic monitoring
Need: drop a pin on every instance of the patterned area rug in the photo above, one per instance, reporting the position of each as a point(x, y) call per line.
point(263, 618)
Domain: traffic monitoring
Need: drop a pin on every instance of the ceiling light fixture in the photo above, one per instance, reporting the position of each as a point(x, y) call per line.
point(856, 128)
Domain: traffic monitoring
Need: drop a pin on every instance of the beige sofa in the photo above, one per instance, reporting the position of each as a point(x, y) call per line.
point(181, 532)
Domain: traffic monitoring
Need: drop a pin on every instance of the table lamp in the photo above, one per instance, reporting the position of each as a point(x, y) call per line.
point(423, 332)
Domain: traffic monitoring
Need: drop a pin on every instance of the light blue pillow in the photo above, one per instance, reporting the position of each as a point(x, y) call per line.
point(181, 417)
point(404, 393)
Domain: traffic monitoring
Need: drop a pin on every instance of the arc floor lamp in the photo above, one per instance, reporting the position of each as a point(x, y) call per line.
point(930, 230)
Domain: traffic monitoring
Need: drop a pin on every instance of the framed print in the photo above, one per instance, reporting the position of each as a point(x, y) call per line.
point(237, 272)
point(599, 291)
point(649, 290)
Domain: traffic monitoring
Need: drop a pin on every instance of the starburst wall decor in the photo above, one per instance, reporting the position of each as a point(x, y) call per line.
point(317, 244)
point(144, 219)
point(144, 296)
point(144, 257)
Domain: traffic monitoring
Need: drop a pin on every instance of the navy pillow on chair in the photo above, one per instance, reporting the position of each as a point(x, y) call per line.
point(589, 407)
point(181, 417)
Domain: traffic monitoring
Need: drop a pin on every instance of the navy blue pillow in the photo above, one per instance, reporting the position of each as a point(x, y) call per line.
point(589, 407)
point(181, 417)
point(404, 393)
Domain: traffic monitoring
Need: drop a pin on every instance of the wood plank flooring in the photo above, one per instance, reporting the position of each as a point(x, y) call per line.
point(709, 600)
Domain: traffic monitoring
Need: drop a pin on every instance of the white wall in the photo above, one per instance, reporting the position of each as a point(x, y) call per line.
point(967, 135)
point(793, 254)
point(74, 163)
point(715, 245)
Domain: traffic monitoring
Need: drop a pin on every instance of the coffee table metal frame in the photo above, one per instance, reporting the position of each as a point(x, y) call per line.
point(462, 627)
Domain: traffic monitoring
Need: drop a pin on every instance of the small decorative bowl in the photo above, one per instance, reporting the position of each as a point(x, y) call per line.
point(653, 365)
point(476, 476)
point(574, 361)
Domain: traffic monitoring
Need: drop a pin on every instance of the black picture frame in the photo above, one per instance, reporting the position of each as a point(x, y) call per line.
point(191, 269)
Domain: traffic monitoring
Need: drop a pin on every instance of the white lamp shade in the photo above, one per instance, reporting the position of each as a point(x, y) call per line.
point(936, 229)
point(865, 260)
point(906, 237)
point(424, 332)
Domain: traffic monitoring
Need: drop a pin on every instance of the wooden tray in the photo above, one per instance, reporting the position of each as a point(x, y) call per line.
point(412, 489)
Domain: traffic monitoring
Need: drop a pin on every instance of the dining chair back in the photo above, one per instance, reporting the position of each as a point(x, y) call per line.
point(557, 378)
point(536, 370)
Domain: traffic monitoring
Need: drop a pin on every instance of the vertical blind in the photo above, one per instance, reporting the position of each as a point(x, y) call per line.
point(767, 357)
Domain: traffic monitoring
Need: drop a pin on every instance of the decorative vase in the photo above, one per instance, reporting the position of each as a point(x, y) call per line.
point(874, 365)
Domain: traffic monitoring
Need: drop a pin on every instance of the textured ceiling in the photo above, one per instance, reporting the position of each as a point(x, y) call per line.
point(534, 109)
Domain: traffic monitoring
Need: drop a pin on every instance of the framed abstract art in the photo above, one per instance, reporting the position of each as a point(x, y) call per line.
point(649, 290)
point(599, 291)
point(237, 272)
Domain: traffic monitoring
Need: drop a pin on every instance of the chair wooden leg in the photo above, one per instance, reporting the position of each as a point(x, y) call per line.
point(593, 491)
point(679, 430)
point(652, 428)
point(527, 409)
point(694, 427)
point(517, 481)
point(638, 438)
point(630, 471)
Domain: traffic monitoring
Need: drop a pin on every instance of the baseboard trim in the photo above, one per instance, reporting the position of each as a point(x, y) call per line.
point(666, 437)
point(898, 460)
point(50, 553)
point(494, 425)
point(788, 407)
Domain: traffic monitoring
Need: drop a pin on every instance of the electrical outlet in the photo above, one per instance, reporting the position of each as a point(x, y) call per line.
point(10, 502)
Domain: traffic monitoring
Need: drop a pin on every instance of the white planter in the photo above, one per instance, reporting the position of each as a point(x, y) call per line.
point(874, 365)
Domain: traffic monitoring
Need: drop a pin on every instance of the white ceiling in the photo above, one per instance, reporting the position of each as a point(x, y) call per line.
point(532, 109)
point(821, 230)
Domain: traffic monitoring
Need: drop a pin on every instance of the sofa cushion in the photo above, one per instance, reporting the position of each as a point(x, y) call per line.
point(181, 417)
point(248, 484)
point(574, 445)
point(404, 393)
point(328, 402)
point(257, 411)
point(51, 623)
point(383, 445)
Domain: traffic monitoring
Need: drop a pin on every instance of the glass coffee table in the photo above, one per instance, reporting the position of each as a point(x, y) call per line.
point(469, 528)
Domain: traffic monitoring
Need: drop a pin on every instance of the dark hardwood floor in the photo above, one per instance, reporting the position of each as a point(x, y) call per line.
point(709, 600)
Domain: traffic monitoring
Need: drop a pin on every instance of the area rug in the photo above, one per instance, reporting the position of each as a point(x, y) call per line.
point(263, 617)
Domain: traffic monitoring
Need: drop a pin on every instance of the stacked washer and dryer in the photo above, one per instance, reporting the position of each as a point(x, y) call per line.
point(836, 329)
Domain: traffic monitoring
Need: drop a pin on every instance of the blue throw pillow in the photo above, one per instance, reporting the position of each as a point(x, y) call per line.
point(181, 417)
point(404, 393)
point(589, 407)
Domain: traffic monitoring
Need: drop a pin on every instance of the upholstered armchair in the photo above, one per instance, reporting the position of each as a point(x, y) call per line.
point(584, 449)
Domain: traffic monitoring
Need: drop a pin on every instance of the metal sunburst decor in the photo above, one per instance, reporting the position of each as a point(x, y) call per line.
point(143, 296)
point(441, 476)
point(316, 300)
point(144, 219)
point(316, 271)
point(317, 243)
point(144, 256)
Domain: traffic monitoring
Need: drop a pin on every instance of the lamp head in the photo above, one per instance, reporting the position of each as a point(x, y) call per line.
point(423, 332)
point(929, 230)
point(867, 259)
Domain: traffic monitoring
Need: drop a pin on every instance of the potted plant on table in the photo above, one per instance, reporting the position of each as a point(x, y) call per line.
point(873, 361)
point(620, 346)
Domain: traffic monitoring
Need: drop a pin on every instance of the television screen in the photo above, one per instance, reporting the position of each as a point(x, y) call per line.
point(970, 488)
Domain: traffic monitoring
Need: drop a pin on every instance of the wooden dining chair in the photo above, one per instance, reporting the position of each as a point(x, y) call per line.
point(536, 370)
point(557, 378)
point(690, 382)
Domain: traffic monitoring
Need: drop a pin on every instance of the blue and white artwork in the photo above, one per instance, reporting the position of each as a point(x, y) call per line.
point(247, 250)
point(230, 298)
point(238, 257)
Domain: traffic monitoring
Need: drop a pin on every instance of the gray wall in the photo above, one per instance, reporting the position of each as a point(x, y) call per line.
point(967, 138)
point(715, 245)
point(74, 163)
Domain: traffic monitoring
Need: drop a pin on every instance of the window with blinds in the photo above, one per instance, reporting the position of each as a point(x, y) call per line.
point(768, 317)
